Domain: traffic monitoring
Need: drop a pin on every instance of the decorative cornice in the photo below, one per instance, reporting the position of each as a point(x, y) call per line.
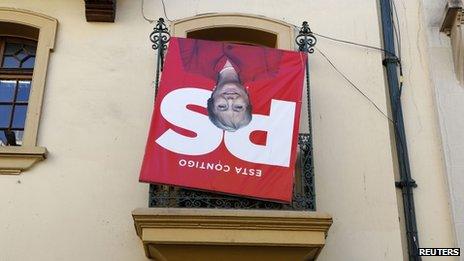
point(100, 10)
point(255, 234)
point(452, 14)
point(230, 219)
point(46, 24)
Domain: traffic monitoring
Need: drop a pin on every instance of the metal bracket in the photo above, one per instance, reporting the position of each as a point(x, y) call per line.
point(407, 183)
point(390, 59)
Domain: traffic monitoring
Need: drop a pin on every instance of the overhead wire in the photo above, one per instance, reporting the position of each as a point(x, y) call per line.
point(352, 84)
point(386, 52)
point(142, 10)
point(143, 13)
point(396, 26)
point(397, 35)
point(164, 10)
point(356, 44)
point(345, 76)
point(397, 30)
point(392, 55)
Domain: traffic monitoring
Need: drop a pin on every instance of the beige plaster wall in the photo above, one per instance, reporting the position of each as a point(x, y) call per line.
point(76, 205)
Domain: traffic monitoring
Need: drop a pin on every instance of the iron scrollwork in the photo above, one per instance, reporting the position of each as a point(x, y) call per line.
point(160, 38)
point(306, 39)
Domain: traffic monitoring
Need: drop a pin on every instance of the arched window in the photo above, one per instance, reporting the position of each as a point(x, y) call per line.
point(238, 28)
point(17, 56)
point(26, 39)
point(237, 35)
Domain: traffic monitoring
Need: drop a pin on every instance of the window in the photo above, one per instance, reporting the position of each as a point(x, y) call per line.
point(17, 58)
point(26, 39)
point(237, 35)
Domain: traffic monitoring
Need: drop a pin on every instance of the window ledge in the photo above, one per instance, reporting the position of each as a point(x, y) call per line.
point(229, 234)
point(14, 160)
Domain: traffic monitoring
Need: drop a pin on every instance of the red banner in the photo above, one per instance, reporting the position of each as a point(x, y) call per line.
point(226, 119)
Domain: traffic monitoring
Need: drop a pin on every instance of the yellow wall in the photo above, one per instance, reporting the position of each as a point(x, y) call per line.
point(76, 205)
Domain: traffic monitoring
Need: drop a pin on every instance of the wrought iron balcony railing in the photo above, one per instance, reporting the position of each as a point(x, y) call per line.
point(303, 191)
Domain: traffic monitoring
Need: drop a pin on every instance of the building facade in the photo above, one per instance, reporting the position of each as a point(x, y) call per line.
point(71, 191)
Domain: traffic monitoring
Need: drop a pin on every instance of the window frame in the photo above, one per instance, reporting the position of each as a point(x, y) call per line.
point(17, 75)
point(15, 159)
point(284, 31)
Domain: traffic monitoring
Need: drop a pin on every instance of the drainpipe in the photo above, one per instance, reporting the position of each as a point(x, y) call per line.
point(406, 183)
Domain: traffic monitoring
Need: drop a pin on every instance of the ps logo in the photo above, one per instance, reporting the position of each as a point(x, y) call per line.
point(278, 125)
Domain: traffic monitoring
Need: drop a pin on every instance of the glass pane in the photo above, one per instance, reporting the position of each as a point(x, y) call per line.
point(7, 88)
point(19, 116)
point(19, 137)
point(5, 112)
point(12, 48)
point(2, 138)
point(29, 62)
point(21, 54)
point(10, 62)
point(24, 87)
point(30, 49)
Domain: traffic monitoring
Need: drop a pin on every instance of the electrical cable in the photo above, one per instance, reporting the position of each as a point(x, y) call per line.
point(396, 28)
point(397, 31)
point(143, 13)
point(150, 20)
point(352, 84)
point(398, 35)
point(357, 44)
point(164, 10)
point(398, 58)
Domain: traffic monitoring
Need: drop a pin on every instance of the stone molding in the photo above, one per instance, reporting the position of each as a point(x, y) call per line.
point(283, 31)
point(452, 21)
point(302, 233)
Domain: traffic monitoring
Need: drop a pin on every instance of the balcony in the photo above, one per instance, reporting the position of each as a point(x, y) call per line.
point(184, 224)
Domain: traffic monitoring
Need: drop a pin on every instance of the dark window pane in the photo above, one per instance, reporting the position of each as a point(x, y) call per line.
point(5, 112)
point(24, 87)
point(2, 138)
point(19, 116)
point(7, 88)
point(21, 54)
point(10, 62)
point(19, 137)
point(12, 48)
point(29, 62)
point(30, 49)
